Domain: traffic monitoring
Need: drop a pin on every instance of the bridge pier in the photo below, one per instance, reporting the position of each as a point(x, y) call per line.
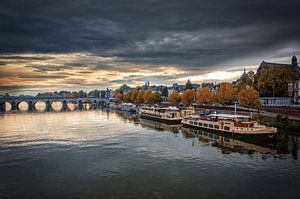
point(14, 106)
point(30, 106)
point(65, 105)
point(2, 107)
point(48, 106)
point(80, 105)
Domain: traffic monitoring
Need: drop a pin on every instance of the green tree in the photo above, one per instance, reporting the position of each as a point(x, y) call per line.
point(246, 80)
point(134, 95)
point(274, 82)
point(156, 97)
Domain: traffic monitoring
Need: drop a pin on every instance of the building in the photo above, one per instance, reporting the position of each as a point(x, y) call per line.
point(296, 96)
point(265, 66)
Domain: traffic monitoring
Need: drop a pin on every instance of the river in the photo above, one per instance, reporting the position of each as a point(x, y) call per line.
point(102, 154)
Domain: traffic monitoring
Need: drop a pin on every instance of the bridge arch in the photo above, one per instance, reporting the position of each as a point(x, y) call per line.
point(22, 105)
point(56, 105)
point(72, 105)
point(40, 105)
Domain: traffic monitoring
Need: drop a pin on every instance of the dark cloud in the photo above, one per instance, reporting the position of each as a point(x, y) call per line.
point(186, 33)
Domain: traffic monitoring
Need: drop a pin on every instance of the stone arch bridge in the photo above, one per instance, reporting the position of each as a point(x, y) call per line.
point(31, 101)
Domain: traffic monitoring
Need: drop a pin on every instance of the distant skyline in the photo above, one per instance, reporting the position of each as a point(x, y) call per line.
point(71, 45)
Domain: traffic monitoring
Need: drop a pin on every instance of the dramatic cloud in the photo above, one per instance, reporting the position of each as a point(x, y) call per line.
point(74, 44)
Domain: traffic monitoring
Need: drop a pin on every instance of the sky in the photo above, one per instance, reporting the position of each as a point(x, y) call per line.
point(97, 44)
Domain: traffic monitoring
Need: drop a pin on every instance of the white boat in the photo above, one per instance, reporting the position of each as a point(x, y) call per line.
point(128, 107)
point(238, 124)
point(164, 114)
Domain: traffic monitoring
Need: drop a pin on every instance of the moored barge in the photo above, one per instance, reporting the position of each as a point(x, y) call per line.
point(162, 114)
point(236, 124)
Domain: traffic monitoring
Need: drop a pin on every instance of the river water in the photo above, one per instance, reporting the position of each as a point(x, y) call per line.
point(102, 154)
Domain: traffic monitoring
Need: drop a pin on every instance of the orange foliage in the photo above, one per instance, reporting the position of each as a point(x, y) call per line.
point(118, 95)
point(188, 96)
point(139, 97)
point(204, 96)
point(225, 94)
point(174, 97)
point(147, 96)
point(249, 97)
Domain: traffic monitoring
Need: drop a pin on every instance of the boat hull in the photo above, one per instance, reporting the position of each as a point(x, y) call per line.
point(246, 137)
point(176, 121)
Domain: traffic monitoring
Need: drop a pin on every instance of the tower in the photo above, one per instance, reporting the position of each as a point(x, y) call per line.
point(294, 61)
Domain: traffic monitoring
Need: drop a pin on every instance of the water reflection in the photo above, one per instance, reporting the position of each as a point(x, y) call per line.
point(72, 106)
point(104, 154)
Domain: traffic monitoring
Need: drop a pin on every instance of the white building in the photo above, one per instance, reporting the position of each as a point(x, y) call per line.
point(297, 92)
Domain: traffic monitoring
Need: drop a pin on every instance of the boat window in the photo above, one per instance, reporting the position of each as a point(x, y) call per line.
point(196, 123)
point(216, 126)
point(205, 125)
point(226, 139)
point(211, 126)
point(211, 135)
point(227, 128)
point(191, 122)
point(205, 134)
point(216, 137)
point(200, 124)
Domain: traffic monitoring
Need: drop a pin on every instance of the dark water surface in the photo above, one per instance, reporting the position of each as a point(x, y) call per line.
point(96, 154)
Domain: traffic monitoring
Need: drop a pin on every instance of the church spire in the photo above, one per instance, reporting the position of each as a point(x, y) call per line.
point(294, 61)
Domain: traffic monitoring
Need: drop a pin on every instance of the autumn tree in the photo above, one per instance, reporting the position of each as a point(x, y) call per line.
point(127, 96)
point(204, 96)
point(139, 97)
point(147, 96)
point(134, 94)
point(174, 97)
point(118, 95)
point(225, 94)
point(246, 80)
point(156, 97)
point(188, 96)
point(249, 97)
point(274, 82)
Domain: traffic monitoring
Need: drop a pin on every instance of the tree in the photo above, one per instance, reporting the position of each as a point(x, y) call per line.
point(174, 97)
point(249, 97)
point(274, 82)
point(156, 97)
point(147, 96)
point(127, 96)
point(204, 96)
point(225, 94)
point(246, 80)
point(134, 95)
point(188, 96)
point(139, 97)
point(118, 95)
point(188, 85)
